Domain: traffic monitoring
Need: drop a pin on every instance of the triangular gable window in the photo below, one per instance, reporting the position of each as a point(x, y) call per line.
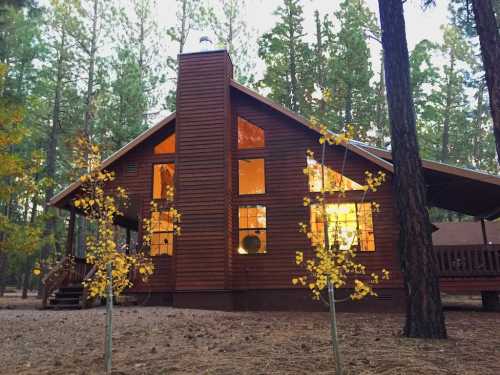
point(167, 146)
point(249, 135)
point(334, 181)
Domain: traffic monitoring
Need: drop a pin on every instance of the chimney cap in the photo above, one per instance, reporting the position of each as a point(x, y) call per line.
point(205, 43)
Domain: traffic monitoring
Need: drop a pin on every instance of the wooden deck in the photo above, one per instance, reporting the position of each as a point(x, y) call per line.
point(468, 261)
point(470, 269)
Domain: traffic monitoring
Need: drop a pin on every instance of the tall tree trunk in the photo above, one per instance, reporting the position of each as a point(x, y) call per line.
point(476, 147)
point(445, 138)
point(30, 257)
point(489, 39)
point(348, 105)
point(4, 259)
point(3, 271)
point(89, 99)
point(91, 67)
point(183, 33)
point(51, 154)
point(424, 313)
point(381, 114)
point(320, 61)
point(292, 65)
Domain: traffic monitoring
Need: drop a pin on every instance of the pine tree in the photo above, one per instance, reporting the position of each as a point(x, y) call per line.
point(188, 18)
point(231, 31)
point(134, 78)
point(351, 68)
point(424, 313)
point(287, 55)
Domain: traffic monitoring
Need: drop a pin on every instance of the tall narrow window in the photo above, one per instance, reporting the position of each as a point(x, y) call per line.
point(162, 239)
point(349, 224)
point(163, 180)
point(334, 181)
point(252, 228)
point(365, 226)
point(252, 176)
point(249, 135)
point(167, 146)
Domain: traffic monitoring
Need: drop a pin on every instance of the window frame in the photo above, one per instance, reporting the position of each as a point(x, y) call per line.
point(264, 229)
point(357, 204)
point(328, 179)
point(160, 154)
point(160, 162)
point(265, 176)
point(238, 148)
point(168, 232)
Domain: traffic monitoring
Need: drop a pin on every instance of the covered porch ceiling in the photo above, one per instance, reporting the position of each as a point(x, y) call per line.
point(457, 189)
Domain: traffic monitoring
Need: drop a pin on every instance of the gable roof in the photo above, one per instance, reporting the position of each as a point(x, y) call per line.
point(115, 156)
point(380, 157)
point(351, 146)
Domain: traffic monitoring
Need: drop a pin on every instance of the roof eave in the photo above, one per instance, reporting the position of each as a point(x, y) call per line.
point(60, 196)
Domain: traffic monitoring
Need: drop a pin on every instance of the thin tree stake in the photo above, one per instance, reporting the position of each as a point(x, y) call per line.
point(109, 315)
point(331, 288)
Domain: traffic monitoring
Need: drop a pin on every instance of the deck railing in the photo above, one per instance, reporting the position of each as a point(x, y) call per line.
point(468, 260)
point(68, 271)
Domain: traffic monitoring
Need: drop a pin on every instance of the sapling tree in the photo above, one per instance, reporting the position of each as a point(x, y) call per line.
point(102, 205)
point(333, 263)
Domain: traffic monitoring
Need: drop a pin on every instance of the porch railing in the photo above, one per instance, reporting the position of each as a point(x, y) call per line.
point(69, 271)
point(468, 260)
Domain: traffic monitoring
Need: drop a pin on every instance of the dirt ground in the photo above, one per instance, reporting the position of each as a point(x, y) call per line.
point(162, 340)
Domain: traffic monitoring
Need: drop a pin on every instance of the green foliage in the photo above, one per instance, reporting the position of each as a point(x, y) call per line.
point(228, 23)
point(287, 57)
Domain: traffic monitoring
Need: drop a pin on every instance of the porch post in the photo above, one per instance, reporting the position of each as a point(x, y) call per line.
point(71, 232)
point(483, 229)
point(128, 240)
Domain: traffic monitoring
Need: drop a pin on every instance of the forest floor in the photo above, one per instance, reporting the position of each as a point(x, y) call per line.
point(163, 340)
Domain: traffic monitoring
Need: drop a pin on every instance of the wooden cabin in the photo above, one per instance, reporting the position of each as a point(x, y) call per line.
point(236, 161)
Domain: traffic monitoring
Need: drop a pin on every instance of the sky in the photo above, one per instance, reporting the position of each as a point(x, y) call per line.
point(420, 24)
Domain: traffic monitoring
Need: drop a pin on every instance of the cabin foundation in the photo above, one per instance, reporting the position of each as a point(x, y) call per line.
point(491, 300)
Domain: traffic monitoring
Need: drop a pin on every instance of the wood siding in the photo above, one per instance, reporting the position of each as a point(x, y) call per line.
point(205, 256)
point(286, 186)
point(202, 178)
point(139, 187)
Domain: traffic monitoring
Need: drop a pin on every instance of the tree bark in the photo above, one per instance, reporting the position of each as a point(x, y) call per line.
point(424, 313)
point(476, 152)
point(183, 33)
point(87, 126)
point(348, 105)
point(381, 115)
point(90, 82)
point(445, 139)
point(489, 39)
point(51, 154)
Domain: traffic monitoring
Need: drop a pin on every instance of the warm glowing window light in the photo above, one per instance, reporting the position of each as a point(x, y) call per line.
point(167, 146)
point(249, 135)
point(163, 180)
point(162, 239)
point(349, 224)
point(251, 176)
point(252, 230)
point(334, 181)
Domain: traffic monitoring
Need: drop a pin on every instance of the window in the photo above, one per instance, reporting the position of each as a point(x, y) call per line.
point(252, 228)
point(249, 135)
point(252, 176)
point(334, 181)
point(163, 180)
point(162, 239)
point(349, 224)
point(167, 146)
